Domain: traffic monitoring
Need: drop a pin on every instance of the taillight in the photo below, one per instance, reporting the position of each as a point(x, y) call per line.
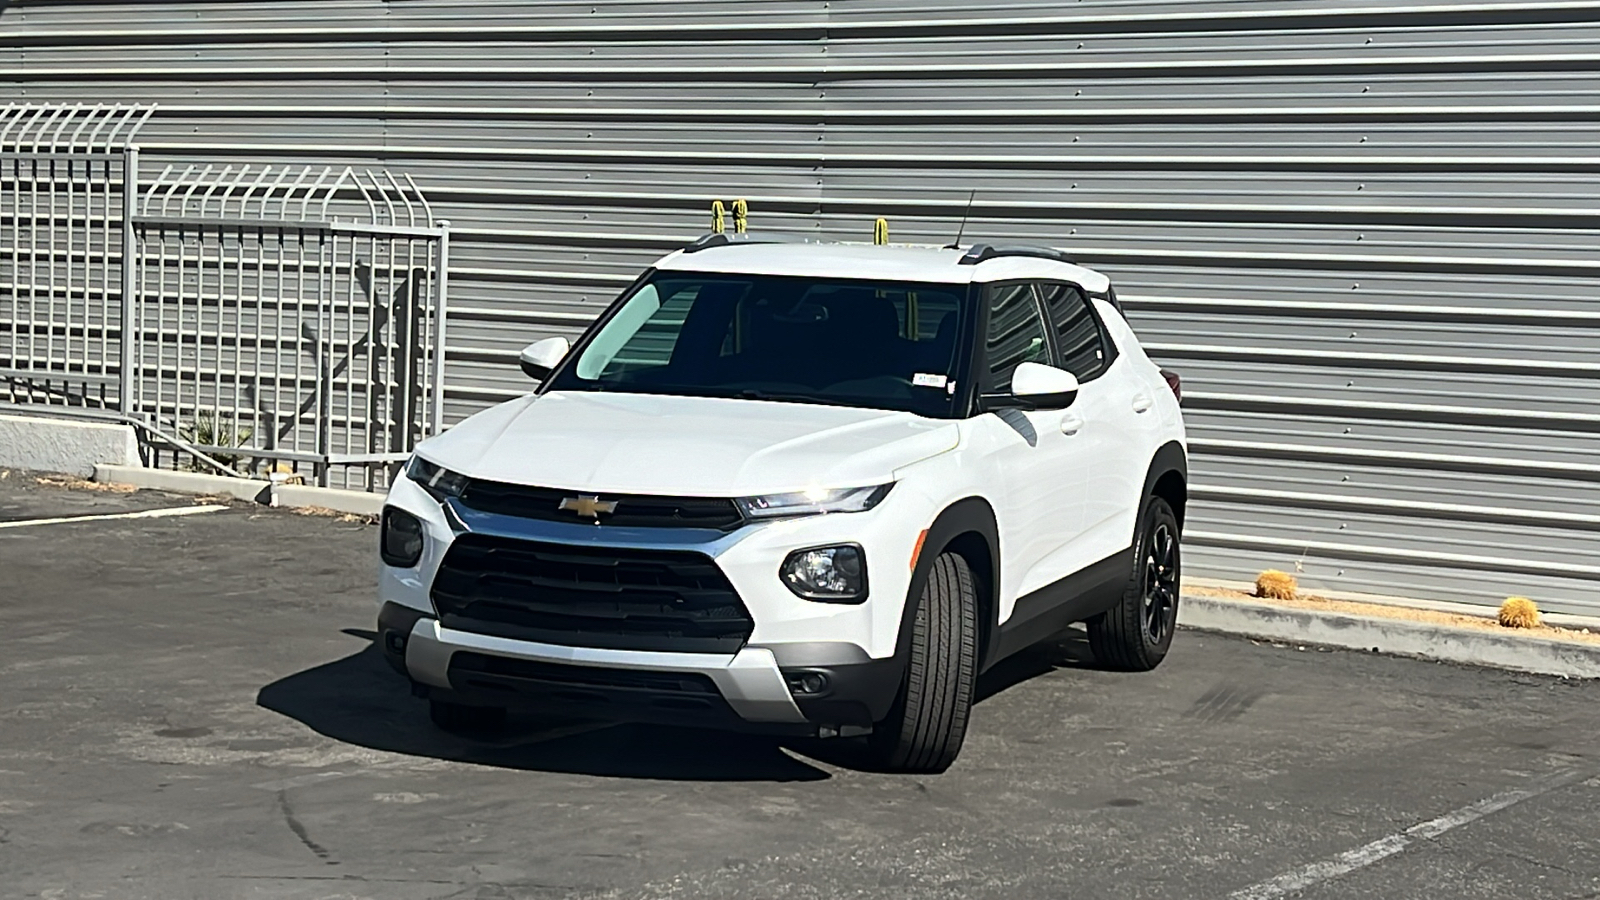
point(1174, 382)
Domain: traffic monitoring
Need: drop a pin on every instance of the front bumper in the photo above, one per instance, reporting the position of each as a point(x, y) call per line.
point(747, 690)
point(852, 646)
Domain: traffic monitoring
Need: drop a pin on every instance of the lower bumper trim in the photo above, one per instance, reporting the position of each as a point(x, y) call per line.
point(632, 695)
point(395, 624)
point(857, 693)
point(749, 682)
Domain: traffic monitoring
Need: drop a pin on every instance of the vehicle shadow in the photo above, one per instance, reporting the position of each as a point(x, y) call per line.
point(359, 700)
point(1069, 650)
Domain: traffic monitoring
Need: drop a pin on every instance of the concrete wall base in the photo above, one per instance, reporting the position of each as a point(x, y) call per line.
point(62, 445)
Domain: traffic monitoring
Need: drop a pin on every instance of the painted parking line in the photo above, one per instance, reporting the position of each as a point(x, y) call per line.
point(144, 514)
point(1385, 847)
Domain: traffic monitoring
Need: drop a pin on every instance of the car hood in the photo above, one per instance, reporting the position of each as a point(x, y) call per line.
point(685, 446)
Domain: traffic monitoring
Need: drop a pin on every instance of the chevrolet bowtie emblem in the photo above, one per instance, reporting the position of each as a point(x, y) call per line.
point(589, 507)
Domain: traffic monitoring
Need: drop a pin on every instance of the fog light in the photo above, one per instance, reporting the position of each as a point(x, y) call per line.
point(827, 574)
point(395, 641)
point(807, 682)
point(400, 544)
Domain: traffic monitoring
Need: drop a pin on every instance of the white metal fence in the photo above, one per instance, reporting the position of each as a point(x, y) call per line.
point(289, 317)
point(277, 318)
point(64, 172)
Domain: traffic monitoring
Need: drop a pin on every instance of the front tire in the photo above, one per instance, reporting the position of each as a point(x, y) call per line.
point(458, 718)
point(1134, 635)
point(928, 722)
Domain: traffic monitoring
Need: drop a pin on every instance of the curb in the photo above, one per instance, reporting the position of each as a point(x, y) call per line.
point(270, 493)
point(363, 503)
point(1395, 637)
point(1487, 610)
point(185, 482)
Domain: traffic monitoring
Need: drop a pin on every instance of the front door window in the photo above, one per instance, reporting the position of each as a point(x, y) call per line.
point(1015, 335)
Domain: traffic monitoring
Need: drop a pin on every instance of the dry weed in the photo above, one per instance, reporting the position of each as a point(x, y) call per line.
point(324, 512)
point(73, 483)
point(1275, 585)
point(1519, 612)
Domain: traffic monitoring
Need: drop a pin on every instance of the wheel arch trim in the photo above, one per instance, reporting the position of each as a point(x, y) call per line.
point(1170, 459)
point(969, 516)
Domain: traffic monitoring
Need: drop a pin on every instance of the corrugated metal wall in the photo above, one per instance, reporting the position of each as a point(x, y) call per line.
point(1364, 234)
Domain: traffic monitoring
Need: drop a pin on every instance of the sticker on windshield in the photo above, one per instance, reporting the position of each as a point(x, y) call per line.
point(924, 379)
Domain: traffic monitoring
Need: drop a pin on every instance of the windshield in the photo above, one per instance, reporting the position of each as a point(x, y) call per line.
point(876, 344)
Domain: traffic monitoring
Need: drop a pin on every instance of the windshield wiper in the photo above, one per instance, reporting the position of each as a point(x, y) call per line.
point(779, 396)
point(729, 393)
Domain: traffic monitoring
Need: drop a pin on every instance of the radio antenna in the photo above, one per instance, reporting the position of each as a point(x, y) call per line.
point(956, 244)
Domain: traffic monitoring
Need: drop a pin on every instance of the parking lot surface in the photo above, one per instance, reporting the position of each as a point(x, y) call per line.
point(192, 708)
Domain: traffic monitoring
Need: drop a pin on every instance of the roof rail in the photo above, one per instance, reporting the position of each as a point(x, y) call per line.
point(719, 239)
point(977, 253)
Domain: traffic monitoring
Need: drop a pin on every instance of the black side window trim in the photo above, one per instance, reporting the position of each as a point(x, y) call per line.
point(1108, 347)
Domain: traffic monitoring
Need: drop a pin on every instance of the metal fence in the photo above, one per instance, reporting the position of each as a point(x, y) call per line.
point(288, 318)
point(64, 172)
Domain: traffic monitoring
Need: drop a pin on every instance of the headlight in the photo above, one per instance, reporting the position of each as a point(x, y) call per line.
point(435, 479)
point(400, 541)
point(829, 574)
point(806, 503)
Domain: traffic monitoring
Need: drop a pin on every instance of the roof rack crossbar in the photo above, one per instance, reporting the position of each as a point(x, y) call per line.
point(977, 253)
point(719, 239)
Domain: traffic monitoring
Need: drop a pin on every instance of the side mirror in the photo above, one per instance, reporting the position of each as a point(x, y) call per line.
point(1044, 387)
point(540, 358)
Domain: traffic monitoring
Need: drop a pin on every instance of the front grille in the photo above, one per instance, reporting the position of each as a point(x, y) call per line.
point(607, 597)
point(637, 510)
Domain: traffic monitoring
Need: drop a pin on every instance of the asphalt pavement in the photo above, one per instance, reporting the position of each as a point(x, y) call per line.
point(192, 707)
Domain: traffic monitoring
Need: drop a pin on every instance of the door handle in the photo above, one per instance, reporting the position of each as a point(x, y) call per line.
point(1071, 423)
point(1142, 402)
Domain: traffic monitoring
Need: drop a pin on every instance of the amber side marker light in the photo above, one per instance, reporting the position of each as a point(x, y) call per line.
point(916, 552)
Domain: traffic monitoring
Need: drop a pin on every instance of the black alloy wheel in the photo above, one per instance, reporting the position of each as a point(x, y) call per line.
point(1134, 635)
point(1161, 585)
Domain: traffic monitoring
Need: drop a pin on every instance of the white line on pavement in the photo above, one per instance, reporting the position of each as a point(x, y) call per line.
point(1361, 857)
point(145, 514)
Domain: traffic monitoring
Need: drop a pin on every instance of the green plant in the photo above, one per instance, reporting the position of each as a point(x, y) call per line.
point(214, 430)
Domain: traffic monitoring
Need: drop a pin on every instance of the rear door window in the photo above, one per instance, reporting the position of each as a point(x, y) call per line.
point(1081, 344)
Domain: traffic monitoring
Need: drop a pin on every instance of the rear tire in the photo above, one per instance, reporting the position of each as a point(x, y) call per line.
point(928, 722)
point(457, 718)
point(1134, 635)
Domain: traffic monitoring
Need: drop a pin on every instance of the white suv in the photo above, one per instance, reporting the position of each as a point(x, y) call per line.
point(799, 487)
